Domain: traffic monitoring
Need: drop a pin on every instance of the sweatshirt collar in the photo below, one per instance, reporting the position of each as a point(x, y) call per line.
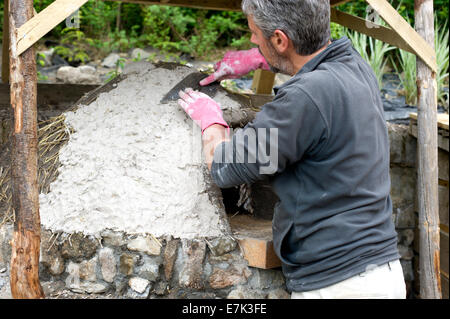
point(335, 49)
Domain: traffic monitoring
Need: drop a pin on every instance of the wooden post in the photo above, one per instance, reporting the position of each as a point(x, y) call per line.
point(24, 277)
point(430, 283)
point(263, 81)
point(5, 43)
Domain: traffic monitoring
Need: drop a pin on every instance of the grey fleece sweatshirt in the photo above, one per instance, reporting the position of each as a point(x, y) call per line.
point(331, 169)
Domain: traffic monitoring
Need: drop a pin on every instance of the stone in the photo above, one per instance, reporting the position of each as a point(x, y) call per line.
point(137, 67)
point(79, 247)
point(405, 216)
point(58, 60)
point(406, 253)
point(278, 294)
point(222, 245)
point(149, 269)
point(50, 254)
point(111, 60)
point(170, 255)
point(73, 279)
point(90, 288)
point(403, 186)
point(51, 288)
point(87, 269)
point(6, 232)
point(161, 288)
point(266, 278)
point(3, 270)
point(402, 145)
point(107, 264)
point(87, 69)
point(138, 284)
point(405, 237)
point(242, 292)
point(230, 277)
point(79, 75)
point(144, 245)
point(127, 262)
point(44, 58)
point(113, 238)
point(191, 274)
point(121, 287)
point(407, 267)
point(139, 54)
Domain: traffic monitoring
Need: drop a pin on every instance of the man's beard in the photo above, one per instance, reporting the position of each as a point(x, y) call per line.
point(280, 63)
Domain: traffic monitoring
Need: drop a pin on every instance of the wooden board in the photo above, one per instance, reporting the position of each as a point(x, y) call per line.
point(45, 21)
point(53, 96)
point(371, 29)
point(255, 239)
point(263, 81)
point(443, 141)
point(442, 119)
point(421, 47)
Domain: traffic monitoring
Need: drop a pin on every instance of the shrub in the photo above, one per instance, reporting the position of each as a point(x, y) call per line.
point(197, 32)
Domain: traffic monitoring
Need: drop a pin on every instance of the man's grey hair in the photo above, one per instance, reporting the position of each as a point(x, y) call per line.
point(305, 22)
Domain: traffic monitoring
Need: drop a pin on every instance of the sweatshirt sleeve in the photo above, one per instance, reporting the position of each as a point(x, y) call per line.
point(286, 130)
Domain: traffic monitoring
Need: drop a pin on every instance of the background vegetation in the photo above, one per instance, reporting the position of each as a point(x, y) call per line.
point(206, 34)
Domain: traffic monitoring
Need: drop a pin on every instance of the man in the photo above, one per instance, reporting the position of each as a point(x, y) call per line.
point(332, 227)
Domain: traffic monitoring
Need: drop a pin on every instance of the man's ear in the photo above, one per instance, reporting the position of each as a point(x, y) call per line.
point(280, 41)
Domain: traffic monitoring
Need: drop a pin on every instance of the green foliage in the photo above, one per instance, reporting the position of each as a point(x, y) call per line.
point(197, 32)
point(117, 70)
point(74, 46)
point(407, 63)
point(337, 31)
point(441, 47)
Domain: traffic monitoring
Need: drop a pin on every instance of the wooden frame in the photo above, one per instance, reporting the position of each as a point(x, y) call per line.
point(24, 34)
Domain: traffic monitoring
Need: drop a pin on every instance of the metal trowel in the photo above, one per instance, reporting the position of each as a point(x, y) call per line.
point(191, 81)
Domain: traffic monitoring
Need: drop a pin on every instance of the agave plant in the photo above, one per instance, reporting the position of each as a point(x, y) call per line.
point(441, 47)
point(407, 63)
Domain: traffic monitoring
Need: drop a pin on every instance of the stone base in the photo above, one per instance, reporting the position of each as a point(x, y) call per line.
point(125, 266)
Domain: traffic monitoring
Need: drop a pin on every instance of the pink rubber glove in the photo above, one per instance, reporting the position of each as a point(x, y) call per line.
point(235, 64)
point(203, 110)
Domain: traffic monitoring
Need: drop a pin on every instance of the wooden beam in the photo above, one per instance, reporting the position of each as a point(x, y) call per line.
point(427, 173)
point(229, 5)
point(254, 236)
point(24, 270)
point(5, 43)
point(420, 47)
point(55, 96)
point(335, 3)
point(263, 81)
point(371, 29)
point(442, 120)
point(45, 21)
